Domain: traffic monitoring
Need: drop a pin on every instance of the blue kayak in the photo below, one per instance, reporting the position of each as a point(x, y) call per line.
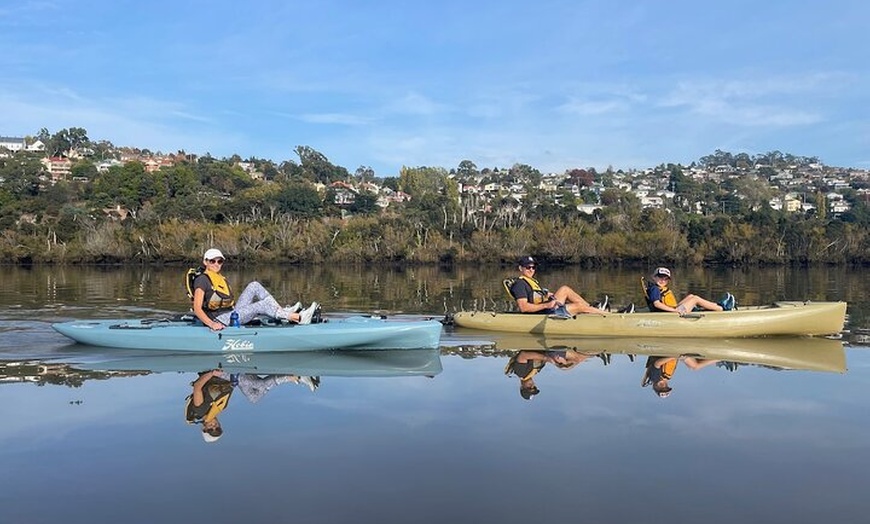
point(185, 334)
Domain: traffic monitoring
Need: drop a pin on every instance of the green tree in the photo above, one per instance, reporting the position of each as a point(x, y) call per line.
point(64, 140)
point(467, 171)
point(365, 203)
point(128, 186)
point(434, 196)
point(364, 174)
point(526, 173)
point(686, 190)
point(422, 182)
point(390, 182)
point(300, 199)
point(221, 176)
point(317, 168)
point(84, 169)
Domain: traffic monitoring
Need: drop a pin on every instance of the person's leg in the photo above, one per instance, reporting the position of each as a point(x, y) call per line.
point(574, 303)
point(254, 387)
point(254, 301)
point(255, 292)
point(690, 301)
point(251, 311)
point(698, 363)
point(566, 295)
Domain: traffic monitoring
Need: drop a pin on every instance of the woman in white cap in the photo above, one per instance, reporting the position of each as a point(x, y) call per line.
point(211, 395)
point(214, 303)
point(660, 297)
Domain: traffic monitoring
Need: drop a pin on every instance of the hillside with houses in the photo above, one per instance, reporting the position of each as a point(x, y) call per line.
point(66, 198)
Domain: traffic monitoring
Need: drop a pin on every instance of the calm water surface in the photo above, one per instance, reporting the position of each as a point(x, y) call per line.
point(438, 436)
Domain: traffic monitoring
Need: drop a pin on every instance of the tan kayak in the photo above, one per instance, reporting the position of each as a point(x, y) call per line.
point(778, 319)
point(804, 353)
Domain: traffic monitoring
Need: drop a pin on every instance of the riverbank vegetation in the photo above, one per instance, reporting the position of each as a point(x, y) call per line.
point(294, 212)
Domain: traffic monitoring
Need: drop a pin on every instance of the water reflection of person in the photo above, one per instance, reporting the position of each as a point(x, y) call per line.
point(212, 391)
point(253, 387)
point(527, 363)
point(211, 395)
point(660, 370)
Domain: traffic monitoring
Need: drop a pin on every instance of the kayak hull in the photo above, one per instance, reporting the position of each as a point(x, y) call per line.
point(778, 319)
point(355, 333)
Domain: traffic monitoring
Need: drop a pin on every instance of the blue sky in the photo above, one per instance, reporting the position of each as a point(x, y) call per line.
point(553, 84)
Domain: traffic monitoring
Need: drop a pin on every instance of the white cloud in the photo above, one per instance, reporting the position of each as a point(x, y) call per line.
point(137, 121)
point(416, 104)
point(590, 107)
point(335, 118)
point(16, 10)
point(746, 102)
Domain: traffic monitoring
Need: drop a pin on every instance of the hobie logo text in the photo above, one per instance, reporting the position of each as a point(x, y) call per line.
point(233, 344)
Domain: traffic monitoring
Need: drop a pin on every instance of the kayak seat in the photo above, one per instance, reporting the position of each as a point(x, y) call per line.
point(508, 283)
point(512, 301)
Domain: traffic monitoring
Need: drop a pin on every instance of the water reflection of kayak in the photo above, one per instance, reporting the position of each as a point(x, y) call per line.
point(385, 363)
point(807, 353)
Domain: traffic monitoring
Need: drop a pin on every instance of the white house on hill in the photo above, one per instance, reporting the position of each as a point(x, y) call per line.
point(15, 144)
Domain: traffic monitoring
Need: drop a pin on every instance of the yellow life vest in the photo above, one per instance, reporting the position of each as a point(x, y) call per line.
point(216, 393)
point(668, 369)
point(539, 294)
point(533, 368)
point(668, 297)
point(652, 374)
point(219, 297)
point(219, 403)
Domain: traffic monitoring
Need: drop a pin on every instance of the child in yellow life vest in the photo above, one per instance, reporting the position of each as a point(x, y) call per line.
point(659, 297)
point(659, 371)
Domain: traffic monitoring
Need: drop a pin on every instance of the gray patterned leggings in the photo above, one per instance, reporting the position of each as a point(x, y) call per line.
point(255, 386)
point(253, 301)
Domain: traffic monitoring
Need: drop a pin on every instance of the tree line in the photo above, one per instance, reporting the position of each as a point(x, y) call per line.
point(128, 214)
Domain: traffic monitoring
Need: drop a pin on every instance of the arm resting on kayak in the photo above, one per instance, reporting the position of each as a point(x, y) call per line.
point(198, 298)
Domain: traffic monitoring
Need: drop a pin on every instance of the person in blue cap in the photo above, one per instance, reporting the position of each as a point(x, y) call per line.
point(661, 298)
point(532, 298)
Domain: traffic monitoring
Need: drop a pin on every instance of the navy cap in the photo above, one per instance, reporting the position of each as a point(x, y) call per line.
point(527, 261)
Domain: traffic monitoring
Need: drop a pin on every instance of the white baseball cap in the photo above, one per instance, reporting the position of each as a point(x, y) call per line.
point(208, 437)
point(212, 254)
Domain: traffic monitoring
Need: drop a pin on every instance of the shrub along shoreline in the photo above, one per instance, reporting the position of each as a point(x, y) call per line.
point(359, 240)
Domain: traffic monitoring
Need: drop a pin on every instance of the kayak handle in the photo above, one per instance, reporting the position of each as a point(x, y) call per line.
point(236, 335)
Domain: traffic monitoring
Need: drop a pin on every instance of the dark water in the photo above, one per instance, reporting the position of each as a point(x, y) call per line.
point(439, 436)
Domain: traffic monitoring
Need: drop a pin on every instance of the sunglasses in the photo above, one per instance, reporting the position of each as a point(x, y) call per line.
point(219, 261)
point(531, 267)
